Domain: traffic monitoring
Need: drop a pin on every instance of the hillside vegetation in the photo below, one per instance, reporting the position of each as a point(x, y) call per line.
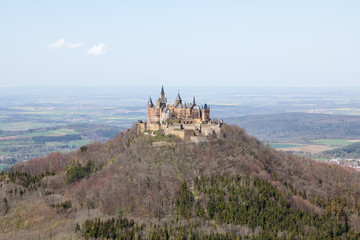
point(350, 151)
point(144, 187)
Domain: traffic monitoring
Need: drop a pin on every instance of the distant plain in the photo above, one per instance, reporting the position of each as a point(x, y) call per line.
point(27, 113)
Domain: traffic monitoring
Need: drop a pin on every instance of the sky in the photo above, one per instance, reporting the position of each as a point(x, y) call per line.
point(308, 43)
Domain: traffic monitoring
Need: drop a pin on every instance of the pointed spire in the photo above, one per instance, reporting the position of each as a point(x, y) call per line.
point(178, 98)
point(150, 101)
point(193, 100)
point(162, 94)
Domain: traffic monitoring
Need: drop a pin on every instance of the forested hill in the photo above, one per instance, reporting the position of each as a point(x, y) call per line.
point(158, 187)
point(295, 126)
point(351, 151)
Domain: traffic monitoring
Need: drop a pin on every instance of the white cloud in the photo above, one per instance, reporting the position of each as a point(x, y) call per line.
point(63, 44)
point(97, 50)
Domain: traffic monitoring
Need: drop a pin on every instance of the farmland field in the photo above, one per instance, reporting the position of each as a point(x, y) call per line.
point(284, 145)
point(23, 125)
point(334, 142)
point(319, 159)
point(4, 166)
point(57, 132)
point(26, 144)
point(304, 149)
point(78, 143)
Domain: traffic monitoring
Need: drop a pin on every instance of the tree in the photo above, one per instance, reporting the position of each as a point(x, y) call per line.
point(6, 205)
point(83, 148)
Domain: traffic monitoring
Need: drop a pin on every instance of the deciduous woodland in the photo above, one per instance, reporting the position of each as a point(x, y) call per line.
point(158, 187)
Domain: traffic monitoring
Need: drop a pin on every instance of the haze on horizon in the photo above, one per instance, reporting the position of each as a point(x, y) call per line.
point(173, 43)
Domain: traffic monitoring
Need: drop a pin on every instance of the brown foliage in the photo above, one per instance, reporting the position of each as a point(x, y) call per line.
point(298, 203)
point(140, 179)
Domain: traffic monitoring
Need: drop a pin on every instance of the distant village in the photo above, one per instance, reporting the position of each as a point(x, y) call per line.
point(348, 162)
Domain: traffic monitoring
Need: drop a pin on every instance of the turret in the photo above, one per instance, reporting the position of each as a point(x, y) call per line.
point(162, 94)
point(150, 103)
point(150, 109)
point(178, 99)
point(205, 113)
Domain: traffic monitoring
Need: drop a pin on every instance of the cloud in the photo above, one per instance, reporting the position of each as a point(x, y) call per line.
point(97, 50)
point(63, 44)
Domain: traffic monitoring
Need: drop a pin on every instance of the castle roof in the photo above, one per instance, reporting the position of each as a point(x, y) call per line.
point(178, 98)
point(150, 101)
point(160, 100)
point(177, 110)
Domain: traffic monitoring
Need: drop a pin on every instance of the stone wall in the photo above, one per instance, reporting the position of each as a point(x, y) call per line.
point(153, 126)
point(187, 132)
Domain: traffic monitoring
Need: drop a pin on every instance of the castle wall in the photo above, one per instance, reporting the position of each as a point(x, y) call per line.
point(210, 129)
point(179, 133)
point(188, 134)
point(153, 114)
point(152, 126)
point(189, 127)
point(192, 129)
point(198, 139)
point(141, 127)
point(169, 129)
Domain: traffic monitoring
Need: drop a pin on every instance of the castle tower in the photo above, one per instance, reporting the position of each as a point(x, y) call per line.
point(162, 94)
point(178, 99)
point(150, 106)
point(205, 113)
point(150, 102)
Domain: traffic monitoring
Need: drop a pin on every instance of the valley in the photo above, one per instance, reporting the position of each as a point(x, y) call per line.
point(84, 176)
point(296, 119)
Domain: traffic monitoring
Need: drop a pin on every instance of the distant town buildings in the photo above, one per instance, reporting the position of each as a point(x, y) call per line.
point(348, 162)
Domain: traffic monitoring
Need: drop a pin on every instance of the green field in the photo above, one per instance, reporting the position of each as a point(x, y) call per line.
point(319, 159)
point(24, 145)
point(48, 133)
point(79, 143)
point(3, 166)
point(76, 143)
point(284, 145)
point(333, 142)
point(18, 126)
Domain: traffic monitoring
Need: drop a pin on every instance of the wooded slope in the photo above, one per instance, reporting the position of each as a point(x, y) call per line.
point(162, 180)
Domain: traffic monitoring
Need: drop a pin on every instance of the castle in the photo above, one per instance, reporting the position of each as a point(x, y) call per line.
point(185, 120)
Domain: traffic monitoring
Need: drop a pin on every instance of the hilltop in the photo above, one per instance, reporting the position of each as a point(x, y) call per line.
point(150, 187)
